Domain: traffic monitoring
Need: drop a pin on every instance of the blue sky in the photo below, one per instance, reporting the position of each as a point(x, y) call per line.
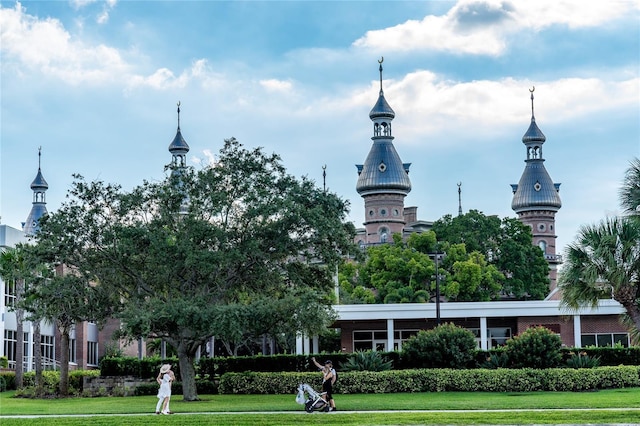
point(95, 84)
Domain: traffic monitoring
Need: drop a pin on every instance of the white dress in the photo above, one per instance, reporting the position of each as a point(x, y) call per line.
point(165, 387)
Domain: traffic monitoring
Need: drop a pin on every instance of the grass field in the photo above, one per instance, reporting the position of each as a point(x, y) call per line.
point(607, 406)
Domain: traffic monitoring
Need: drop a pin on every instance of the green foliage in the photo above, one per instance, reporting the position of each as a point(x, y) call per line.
point(582, 360)
point(520, 269)
point(4, 362)
point(237, 251)
point(145, 368)
point(440, 380)
point(9, 379)
point(447, 345)
point(366, 361)
point(497, 359)
point(536, 347)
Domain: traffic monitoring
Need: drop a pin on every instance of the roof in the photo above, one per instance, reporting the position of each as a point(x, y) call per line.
point(383, 170)
point(535, 190)
point(178, 145)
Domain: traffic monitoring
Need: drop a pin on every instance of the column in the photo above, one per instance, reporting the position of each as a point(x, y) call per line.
point(577, 332)
point(390, 334)
point(299, 350)
point(316, 345)
point(483, 334)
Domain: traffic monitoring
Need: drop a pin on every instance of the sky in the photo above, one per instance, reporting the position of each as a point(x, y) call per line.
point(95, 86)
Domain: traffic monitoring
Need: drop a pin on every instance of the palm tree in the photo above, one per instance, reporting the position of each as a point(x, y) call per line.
point(12, 271)
point(630, 190)
point(604, 262)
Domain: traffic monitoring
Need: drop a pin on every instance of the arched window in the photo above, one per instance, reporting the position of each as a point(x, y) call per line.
point(543, 246)
point(384, 235)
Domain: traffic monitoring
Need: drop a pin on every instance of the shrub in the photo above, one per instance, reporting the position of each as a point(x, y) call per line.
point(4, 362)
point(9, 378)
point(536, 347)
point(582, 360)
point(497, 359)
point(440, 380)
point(446, 346)
point(366, 361)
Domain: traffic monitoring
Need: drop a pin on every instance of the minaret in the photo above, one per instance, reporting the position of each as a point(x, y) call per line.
point(178, 149)
point(39, 206)
point(383, 179)
point(536, 199)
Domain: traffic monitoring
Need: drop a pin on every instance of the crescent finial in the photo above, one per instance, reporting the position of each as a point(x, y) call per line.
point(533, 88)
point(381, 60)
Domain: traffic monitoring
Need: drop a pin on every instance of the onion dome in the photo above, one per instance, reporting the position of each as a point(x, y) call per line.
point(536, 190)
point(39, 205)
point(382, 171)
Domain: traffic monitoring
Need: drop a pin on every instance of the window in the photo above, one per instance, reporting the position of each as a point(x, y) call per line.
point(495, 336)
point(605, 339)
point(10, 342)
point(10, 293)
point(376, 340)
point(47, 346)
point(92, 353)
point(72, 351)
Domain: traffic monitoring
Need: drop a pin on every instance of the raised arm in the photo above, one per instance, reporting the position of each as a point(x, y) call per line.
point(316, 363)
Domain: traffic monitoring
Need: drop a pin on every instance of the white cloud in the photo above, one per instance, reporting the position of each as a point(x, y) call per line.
point(273, 85)
point(484, 27)
point(44, 45)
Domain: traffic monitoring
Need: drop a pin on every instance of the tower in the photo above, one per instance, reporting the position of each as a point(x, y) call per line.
point(383, 179)
point(178, 149)
point(39, 206)
point(536, 200)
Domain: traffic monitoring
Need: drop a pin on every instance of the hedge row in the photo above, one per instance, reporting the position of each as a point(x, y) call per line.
point(147, 368)
point(438, 380)
point(50, 380)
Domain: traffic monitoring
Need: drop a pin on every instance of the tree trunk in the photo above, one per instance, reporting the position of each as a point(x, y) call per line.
point(64, 362)
point(19, 348)
point(37, 356)
point(186, 359)
point(634, 314)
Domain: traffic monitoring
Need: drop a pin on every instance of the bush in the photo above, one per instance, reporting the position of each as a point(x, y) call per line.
point(366, 361)
point(536, 347)
point(9, 379)
point(4, 362)
point(582, 360)
point(446, 346)
point(146, 368)
point(440, 380)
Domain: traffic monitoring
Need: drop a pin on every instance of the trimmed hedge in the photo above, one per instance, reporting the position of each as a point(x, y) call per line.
point(438, 380)
point(145, 368)
point(211, 368)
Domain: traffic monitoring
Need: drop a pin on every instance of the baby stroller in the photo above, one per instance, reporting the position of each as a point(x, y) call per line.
point(312, 400)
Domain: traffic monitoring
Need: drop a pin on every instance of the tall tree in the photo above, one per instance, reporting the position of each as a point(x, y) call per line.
point(14, 272)
point(604, 261)
point(64, 299)
point(188, 255)
point(506, 244)
point(630, 189)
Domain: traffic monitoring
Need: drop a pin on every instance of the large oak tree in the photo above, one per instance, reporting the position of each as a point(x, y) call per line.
point(190, 256)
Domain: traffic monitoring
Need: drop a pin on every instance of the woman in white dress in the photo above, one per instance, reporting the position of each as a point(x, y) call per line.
point(164, 379)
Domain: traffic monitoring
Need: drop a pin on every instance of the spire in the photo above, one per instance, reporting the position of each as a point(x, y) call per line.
point(381, 111)
point(38, 208)
point(324, 178)
point(383, 170)
point(178, 148)
point(535, 190)
point(459, 199)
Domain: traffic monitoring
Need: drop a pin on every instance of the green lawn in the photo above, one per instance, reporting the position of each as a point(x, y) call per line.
point(606, 406)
